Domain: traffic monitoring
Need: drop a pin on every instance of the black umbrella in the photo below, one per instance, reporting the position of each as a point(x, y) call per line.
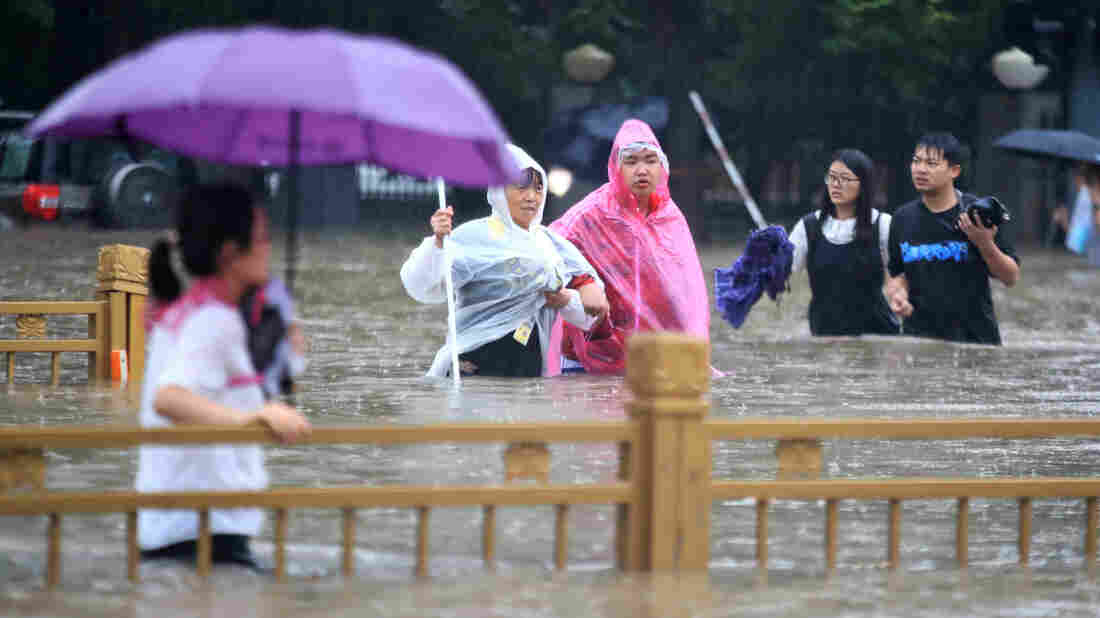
point(1048, 143)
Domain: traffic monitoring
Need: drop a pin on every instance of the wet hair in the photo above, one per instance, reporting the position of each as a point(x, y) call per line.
point(207, 217)
point(528, 178)
point(863, 168)
point(944, 143)
point(1089, 173)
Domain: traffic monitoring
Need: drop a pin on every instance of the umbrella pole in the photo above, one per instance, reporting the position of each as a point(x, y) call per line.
point(449, 283)
point(293, 198)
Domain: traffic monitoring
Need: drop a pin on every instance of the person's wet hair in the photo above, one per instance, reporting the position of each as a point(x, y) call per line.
point(1089, 173)
point(529, 177)
point(863, 168)
point(207, 216)
point(946, 144)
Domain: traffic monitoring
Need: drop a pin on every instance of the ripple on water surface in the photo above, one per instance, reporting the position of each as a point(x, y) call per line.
point(370, 345)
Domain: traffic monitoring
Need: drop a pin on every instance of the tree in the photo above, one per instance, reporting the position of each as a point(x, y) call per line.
point(871, 74)
point(26, 29)
point(786, 79)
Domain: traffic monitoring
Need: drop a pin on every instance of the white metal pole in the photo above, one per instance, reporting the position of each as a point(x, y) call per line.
point(448, 280)
point(727, 162)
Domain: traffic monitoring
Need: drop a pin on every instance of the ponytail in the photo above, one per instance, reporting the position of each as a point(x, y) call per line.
point(207, 216)
point(164, 284)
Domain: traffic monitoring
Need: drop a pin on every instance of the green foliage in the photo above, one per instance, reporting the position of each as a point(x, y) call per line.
point(777, 74)
point(38, 13)
point(911, 46)
point(25, 26)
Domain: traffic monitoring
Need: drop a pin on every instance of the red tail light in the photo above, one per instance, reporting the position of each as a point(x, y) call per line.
point(41, 201)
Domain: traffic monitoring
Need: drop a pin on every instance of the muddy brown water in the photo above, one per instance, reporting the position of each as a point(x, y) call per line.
point(370, 345)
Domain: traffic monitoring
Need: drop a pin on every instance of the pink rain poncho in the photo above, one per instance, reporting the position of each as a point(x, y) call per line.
point(645, 257)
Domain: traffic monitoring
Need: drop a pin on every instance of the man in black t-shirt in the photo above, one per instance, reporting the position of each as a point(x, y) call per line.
point(940, 260)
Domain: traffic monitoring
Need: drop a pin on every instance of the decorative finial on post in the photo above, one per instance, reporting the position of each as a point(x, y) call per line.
point(123, 280)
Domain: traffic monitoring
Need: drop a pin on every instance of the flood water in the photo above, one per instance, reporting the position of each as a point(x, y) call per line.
point(370, 345)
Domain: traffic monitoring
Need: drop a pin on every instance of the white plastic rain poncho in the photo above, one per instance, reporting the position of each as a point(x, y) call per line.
point(500, 272)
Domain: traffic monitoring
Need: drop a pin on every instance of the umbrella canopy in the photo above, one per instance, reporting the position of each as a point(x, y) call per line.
point(227, 96)
point(1048, 143)
point(270, 96)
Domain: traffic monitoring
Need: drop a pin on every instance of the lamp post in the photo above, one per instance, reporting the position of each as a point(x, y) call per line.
point(1022, 183)
point(559, 180)
point(585, 67)
point(588, 63)
point(1016, 69)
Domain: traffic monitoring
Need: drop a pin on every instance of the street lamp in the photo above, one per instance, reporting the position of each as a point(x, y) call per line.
point(1016, 69)
point(559, 180)
point(588, 63)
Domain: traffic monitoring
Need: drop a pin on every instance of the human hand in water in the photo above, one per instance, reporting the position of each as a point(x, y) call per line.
point(441, 224)
point(899, 304)
point(557, 300)
point(594, 300)
point(287, 423)
point(897, 296)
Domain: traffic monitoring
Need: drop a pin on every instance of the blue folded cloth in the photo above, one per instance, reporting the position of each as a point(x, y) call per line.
point(764, 267)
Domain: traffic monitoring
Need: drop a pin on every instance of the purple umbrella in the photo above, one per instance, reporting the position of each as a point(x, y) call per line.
point(269, 96)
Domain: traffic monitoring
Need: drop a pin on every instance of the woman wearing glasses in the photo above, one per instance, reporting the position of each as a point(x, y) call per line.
point(513, 278)
point(843, 247)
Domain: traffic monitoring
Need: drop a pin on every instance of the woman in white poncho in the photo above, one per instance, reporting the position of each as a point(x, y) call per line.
point(512, 277)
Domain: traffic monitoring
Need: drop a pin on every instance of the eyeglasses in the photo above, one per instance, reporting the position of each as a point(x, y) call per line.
point(833, 179)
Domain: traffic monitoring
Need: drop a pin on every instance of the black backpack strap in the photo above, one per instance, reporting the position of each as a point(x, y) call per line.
point(264, 328)
point(812, 225)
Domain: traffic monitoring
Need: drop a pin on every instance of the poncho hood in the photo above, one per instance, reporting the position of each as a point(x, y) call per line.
point(498, 199)
point(634, 131)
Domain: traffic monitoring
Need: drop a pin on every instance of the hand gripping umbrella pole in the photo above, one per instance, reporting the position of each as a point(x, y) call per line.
point(727, 162)
point(449, 284)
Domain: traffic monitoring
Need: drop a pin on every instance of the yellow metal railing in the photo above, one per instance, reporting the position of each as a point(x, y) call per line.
point(31, 327)
point(116, 319)
point(664, 492)
point(32, 440)
point(806, 434)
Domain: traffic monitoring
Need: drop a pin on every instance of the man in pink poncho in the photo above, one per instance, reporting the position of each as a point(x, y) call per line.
point(637, 239)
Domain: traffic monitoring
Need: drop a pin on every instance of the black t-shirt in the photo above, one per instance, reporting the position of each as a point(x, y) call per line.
point(948, 279)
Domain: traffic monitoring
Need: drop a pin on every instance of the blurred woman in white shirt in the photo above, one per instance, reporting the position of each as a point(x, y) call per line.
point(199, 372)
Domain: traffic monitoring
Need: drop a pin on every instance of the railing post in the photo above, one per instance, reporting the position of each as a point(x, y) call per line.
point(123, 273)
point(668, 375)
point(628, 537)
